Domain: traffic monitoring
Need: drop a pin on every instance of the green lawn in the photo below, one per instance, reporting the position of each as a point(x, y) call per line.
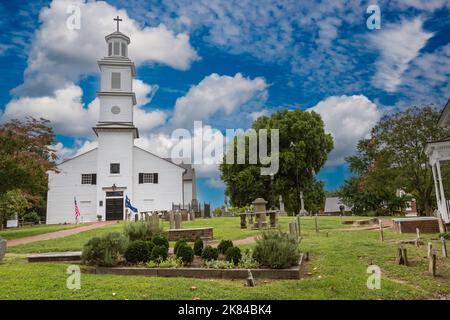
point(337, 270)
point(28, 231)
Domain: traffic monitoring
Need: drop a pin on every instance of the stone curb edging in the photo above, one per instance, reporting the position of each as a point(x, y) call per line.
point(202, 273)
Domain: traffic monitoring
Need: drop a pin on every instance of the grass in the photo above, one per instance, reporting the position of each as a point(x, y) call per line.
point(27, 231)
point(337, 270)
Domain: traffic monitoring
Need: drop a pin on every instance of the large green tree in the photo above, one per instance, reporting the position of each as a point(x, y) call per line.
point(25, 157)
point(303, 149)
point(393, 158)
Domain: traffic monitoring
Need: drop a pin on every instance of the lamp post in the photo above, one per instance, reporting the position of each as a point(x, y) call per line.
point(292, 145)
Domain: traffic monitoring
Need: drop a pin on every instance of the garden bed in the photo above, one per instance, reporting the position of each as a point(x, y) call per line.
point(203, 273)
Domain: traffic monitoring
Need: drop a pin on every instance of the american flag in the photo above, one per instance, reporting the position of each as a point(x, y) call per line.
point(77, 212)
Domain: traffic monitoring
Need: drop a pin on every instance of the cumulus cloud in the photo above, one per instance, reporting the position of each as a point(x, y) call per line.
point(348, 119)
point(80, 147)
point(59, 56)
point(216, 93)
point(69, 116)
point(399, 44)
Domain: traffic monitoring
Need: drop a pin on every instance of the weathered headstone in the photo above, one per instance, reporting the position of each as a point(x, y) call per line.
point(154, 222)
point(250, 280)
point(178, 220)
point(3, 243)
point(260, 211)
point(273, 219)
point(444, 247)
point(282, 212)
point(243, 221)
point(380, 223)
point(171, 220)
point(303, 212)
point(432, 264)
point(429, 249)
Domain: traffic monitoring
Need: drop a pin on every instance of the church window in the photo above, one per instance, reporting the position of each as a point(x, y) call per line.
point(124, 49)
point(148, 178)
point(110, 49)
point(114, 168)
point(116, 48)
point(90, 178)
point(115, 80)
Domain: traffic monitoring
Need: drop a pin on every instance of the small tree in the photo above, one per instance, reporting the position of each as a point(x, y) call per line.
point(12, 202)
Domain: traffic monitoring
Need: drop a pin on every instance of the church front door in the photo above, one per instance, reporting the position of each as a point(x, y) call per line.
point(114, 209)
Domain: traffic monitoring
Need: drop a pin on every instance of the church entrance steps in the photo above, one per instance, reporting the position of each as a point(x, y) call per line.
point(58, 234)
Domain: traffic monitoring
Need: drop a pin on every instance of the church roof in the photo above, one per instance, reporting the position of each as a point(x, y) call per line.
point(190, 171)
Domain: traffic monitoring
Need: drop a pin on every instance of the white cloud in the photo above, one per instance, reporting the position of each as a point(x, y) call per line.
point(69, 116)
point(59, 56)
point(348, 119)
point(215, 94)
point(80, 147)
point(398, 44)
point(256, 114)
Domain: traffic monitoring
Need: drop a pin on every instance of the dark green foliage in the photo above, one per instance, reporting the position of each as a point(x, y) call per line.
point(178, 245)
point(210, 253)
point(186, 254)
point(198, 247)
point(159, 253)
point(104, 250)
point(138, 231)
point(160, 240)
point(276, 250)
point(445, 235)
point(224, 245)
point(233, 254)
point(139, 251)
point(32, 217)
point(244, 182)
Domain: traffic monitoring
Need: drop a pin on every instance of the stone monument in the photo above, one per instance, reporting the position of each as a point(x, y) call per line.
point(303, 212)
point(260, 211)
point(282, 211)
point(3, 243)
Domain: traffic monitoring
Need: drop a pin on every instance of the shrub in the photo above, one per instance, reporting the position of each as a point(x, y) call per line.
point(139, 251)
point(198, 247)
point(160, 240)
point(224, 245)
point(276, 250)
point(233, 254)
point(247, 260)
point(218, 264)
point(159, 253)
point(179, 244)
point(104, 250)
point(31, 217)
point(186, 254)
point(171, 263)
point(138, 231)
point(210, 253)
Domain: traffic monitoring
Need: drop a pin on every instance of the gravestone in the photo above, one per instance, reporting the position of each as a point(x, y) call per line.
point(207, 210)
point(282, 212)
point(178, 220)
point(260, 211)
point(2, 248)
point(154, 222)
point(303, 212)
point(243, 221)
point(171, 220)
point(273, 219)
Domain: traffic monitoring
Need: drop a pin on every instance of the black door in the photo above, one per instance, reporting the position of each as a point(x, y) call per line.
point(114, 209)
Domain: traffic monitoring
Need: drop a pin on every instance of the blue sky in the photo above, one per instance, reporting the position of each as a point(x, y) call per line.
point(225, 63)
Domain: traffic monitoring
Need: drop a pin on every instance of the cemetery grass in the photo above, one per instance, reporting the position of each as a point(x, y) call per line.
point(28, 231)
point(337, 270)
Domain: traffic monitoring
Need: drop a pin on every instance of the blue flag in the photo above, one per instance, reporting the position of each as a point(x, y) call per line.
point(129, 206)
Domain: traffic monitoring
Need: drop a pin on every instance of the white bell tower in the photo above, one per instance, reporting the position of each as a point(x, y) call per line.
point(115, 129)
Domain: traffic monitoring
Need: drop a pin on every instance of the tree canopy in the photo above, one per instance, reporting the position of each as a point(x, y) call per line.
point(308, 154)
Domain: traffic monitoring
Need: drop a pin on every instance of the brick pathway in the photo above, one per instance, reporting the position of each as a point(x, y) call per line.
point(58, 234)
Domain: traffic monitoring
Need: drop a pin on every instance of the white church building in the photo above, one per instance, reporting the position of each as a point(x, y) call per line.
point(101, 178)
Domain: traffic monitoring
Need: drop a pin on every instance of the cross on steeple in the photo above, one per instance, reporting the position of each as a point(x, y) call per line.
point(117, 20)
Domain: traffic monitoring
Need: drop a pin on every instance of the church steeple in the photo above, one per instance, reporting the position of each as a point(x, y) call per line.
point(116, 95)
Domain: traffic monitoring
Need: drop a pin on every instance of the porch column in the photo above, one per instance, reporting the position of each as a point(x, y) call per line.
point(443, 204)
point(436, 187)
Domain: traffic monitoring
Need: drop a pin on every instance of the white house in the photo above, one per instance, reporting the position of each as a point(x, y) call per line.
point(100, 179)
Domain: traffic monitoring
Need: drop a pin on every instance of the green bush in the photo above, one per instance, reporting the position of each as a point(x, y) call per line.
point(186, 254)
point(247, 260)
point(139, 251)
point(160, 240)
point(31, 217)
point(159, 253)
point(178, 245)
point(138, 231)
point(218, 264)
point(224, 245)
point(233, 254)
point(276, 250)
point(210, 253)
point(104, 250)
point(446, 235)
point(198, 247)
